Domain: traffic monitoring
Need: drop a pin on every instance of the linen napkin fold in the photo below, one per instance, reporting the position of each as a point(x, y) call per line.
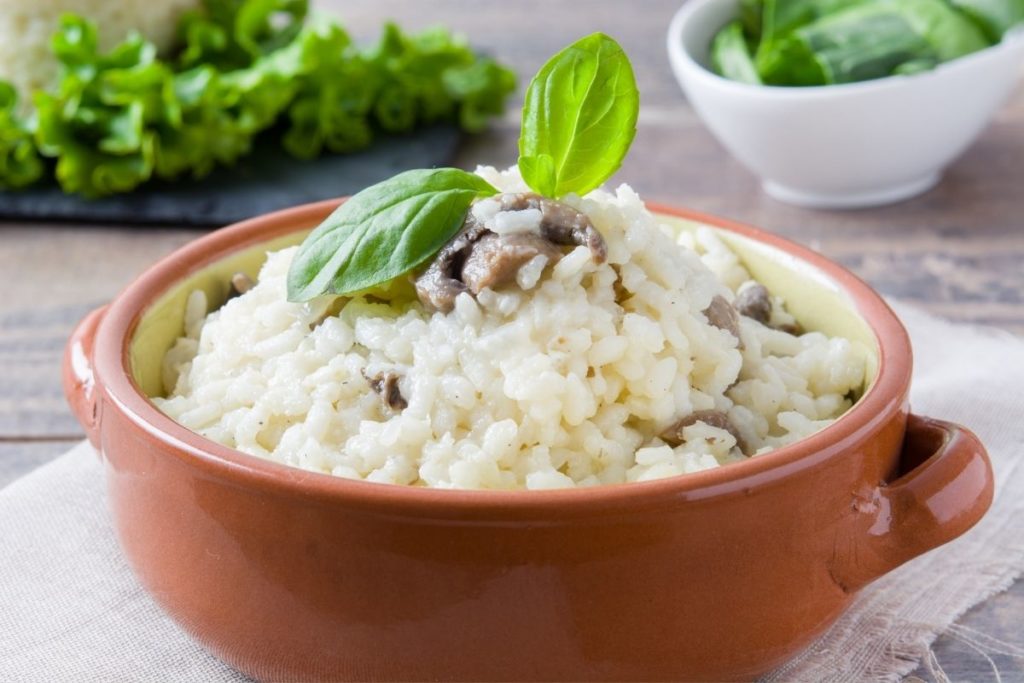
point(70, 609)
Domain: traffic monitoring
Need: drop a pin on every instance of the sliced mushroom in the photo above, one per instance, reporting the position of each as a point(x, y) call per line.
point(621, 293)
point(319, 319)
point(240, 284)
point(494, 260)
point(722, 315)
point(439, 285)
point(673, 435)
point(754, 302)
point(386, 385)
point(438, 291)
point(477, 258)
point(559, 222)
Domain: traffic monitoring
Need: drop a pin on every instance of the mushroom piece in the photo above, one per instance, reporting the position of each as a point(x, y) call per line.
point(673, 434)
point(386, 385)
point(559, 223)
point(754, 302)
point(439, 285)
point(795, 328)
point(477, 258)
point(722, 315)
point(494, 260)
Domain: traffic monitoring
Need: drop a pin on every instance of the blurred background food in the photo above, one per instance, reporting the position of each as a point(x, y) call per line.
point(29, 64)
point(928, 84)
point(122, 96)
point(822, 42)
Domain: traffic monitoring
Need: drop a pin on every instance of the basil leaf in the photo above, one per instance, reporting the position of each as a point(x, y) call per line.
point(579, 118)
point(821, 42)
point(950, 33)
point(863, 42)
point(539, 173)
point(731, 57)
point(20, 164)
point(384, 231)
point(874, 48)
point(782, 17)
point(751, 17)
point(993, 17)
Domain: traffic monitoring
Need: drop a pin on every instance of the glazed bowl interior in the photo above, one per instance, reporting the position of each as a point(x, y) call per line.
point(811, 296)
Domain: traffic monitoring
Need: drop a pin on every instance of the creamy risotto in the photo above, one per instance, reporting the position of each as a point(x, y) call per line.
point(660, 358)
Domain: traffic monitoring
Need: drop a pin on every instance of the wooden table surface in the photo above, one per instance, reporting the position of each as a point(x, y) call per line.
point(957, 250)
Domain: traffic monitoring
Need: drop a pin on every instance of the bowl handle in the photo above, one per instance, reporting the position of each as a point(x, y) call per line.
point(79, 381)
point(944, 488)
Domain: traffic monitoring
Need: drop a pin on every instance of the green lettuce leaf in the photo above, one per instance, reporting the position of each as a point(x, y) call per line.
point(232, 34)
point(20, 164)
point(122, 117)
point(344, 94)
point(99, 126)
point(480, 89)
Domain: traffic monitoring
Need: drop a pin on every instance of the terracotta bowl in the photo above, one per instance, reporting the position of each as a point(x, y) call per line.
point(723, 574)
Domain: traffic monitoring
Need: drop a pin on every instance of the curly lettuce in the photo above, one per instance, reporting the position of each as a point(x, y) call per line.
point(404, 81)
point(100, 124)
point(20, 164)
point(121, 118)
point(232, 34)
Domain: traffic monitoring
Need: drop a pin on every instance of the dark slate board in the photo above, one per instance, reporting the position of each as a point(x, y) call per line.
point(265, 181)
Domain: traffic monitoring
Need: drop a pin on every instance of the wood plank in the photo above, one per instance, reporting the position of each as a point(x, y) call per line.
point(525, 34)
point(54, 276)
point(999, 617)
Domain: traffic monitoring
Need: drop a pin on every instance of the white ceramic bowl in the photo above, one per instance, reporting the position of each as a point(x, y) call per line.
point(843, 146)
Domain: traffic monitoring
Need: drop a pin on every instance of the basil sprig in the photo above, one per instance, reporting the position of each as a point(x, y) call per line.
point(578, 122)
point(384, 231)
point(825, 42)
point(579, 118)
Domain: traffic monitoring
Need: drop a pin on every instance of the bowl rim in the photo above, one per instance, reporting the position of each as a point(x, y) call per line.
point(118, 390)
point(680, 59)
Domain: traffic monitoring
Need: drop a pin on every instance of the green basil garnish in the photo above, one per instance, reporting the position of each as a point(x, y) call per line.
point(384, 231)
point(579, 118)
point(825, 42)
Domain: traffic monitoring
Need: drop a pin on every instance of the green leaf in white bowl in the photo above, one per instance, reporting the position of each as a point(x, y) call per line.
point(731, 57)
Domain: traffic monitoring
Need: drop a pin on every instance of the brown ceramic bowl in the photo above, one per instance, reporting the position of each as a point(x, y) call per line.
point(722, 574)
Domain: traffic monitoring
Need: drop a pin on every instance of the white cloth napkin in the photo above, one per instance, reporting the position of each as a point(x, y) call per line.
point(70, 609)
